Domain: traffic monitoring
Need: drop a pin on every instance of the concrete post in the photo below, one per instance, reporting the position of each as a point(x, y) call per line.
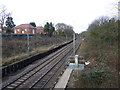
point(76, 60)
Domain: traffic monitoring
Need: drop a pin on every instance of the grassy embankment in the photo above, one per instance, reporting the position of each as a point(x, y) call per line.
point(100, 47)
point(16, 48)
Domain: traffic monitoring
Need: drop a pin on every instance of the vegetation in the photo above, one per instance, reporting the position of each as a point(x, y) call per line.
point(63, 29)
point(9, 25)
point(3, 16)
point(33, 24)
point(49, 29)
point(16, 47)
point(100, 47)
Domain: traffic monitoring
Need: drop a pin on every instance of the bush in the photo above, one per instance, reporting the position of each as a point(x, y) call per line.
point(13, 46)
point(101, 45)
point(96, 76)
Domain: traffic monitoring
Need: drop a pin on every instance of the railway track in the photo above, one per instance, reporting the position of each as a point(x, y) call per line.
point(40, 75)
point(42, 81)
point(19, 81)
point(50, 81)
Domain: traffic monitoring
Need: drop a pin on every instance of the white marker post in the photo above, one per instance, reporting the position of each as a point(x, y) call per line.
point(76, 60)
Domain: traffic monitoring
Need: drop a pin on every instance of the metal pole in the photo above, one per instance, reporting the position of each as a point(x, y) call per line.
point(28, 42)
point(66, 38)
point(73, 44)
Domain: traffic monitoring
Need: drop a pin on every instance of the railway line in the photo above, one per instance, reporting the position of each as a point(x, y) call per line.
point(41, 74)
point(41, 82)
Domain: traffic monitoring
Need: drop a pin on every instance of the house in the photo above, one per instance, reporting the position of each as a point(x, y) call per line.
point(40, 30)
point(24, 29)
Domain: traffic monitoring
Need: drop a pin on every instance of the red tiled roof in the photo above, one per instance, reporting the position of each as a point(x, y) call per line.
point(24, 26)
point(39, 27)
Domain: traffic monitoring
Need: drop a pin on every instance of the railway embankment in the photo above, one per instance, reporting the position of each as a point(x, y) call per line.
point(14, 67)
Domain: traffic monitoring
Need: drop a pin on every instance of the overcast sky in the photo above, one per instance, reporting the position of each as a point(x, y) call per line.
point(78, 13)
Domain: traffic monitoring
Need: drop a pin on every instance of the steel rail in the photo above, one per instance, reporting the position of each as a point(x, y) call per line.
point(31, 71)
point(31, 87)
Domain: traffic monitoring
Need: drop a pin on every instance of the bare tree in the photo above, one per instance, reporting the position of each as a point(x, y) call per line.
point(3, 16)
point(101, 20)
point(117, 9)
point(64, 29)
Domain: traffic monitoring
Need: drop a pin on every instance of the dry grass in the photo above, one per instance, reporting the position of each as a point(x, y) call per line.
point(23, 55)
point(16, 48)
point(107, 79)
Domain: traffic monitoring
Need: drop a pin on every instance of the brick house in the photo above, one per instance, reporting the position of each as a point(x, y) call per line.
point(40, 30)
point(24, 29)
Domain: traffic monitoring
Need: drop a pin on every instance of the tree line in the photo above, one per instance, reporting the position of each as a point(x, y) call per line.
point(7, 25)
point(100, 45)
point(102, 30)
point(101, 34)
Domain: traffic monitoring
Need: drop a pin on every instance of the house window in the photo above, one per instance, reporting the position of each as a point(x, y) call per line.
point(33, 31)
point(15, 32)
point(26, 30)
point(22, 32)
